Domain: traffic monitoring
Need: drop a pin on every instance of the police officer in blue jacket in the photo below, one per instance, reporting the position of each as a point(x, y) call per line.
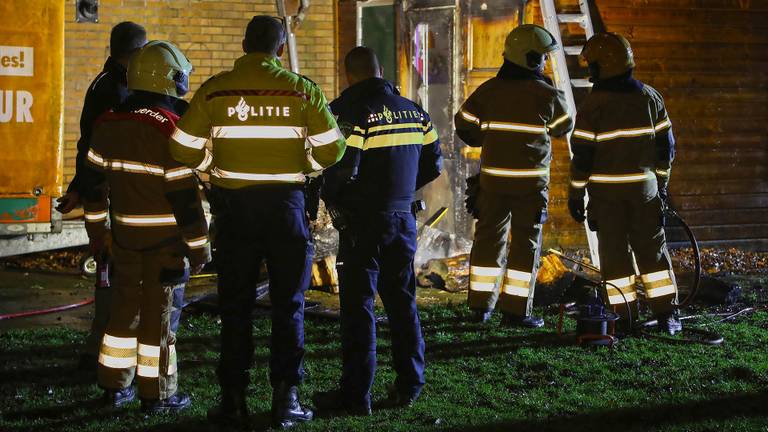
point(392, 151)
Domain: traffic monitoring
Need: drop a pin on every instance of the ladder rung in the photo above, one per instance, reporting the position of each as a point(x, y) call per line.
point(573, 49)
point(570, 18)
point(581, 82)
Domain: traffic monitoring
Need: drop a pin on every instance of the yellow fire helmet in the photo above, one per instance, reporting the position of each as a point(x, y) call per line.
point(610, 52)
point(159, 67)
point(527, 45)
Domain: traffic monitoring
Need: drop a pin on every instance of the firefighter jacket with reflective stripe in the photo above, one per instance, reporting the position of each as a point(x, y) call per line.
point(622, 142)
point(154, 201)
point(392, 149)
point(512, 117)
point(267, 125)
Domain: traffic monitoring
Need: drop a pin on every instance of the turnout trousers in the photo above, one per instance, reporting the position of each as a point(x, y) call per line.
point(380, 260)
point(624, 226)
point(505, 254)
point(101, 308)
point(138, 340)
point(252, 225)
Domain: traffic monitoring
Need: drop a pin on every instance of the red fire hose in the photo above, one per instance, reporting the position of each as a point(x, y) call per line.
point(47, 311)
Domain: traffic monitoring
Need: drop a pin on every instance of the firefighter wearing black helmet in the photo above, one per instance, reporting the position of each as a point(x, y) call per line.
point(516, 152)
point(622, 154)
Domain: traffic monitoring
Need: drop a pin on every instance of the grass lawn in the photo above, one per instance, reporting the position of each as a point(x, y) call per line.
point(480, 377)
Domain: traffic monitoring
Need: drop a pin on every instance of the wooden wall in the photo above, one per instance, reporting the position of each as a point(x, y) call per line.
point(709, 59)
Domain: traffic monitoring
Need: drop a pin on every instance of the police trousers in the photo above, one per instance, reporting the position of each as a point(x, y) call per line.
point(138, 340)
point(255, 224)
point(633, 225)
point(380, 260)
point(505, 254)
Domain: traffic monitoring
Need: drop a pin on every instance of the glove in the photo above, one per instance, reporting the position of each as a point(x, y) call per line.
point(472, 192)
point(576, 207)
point(339, 218)
point(68, 202)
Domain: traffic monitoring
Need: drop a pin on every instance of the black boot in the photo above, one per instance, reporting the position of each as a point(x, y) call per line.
point(286, 407)
point(670, 323)
point(334, 402)
point(480, 315)
point(118, 398)
point(232, 410)
point(175, 403)
point(398, 399)
point(529, 321)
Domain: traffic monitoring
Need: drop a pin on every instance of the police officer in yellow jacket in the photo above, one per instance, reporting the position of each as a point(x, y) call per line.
point(622, 154)
point(158, 229)
point(514, 174)
point(269, 128)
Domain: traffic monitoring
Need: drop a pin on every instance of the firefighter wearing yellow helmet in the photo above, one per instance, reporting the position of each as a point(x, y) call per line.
point(160, 68)
point(623, 149)
point(511, 204)
point(159, 230)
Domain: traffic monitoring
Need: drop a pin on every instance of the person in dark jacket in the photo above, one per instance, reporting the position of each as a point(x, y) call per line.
point(107, 91)
point(392, 151)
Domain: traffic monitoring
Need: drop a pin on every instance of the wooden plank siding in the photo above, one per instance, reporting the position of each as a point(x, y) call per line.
point(709, 59)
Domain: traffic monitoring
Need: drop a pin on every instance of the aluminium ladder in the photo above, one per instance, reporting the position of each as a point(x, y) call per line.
point(562, 78)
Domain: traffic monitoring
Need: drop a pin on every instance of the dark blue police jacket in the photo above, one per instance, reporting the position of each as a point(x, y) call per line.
point(392, 149)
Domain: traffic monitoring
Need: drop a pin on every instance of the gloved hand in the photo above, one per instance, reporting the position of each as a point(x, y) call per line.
point(472, 192)
point(68, 202)
point(338, 218)
point(576, 207)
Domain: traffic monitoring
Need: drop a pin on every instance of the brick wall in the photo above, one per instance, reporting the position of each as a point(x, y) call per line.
point(208, 31)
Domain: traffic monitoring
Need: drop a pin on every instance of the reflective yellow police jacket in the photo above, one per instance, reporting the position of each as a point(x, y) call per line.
point(512, 120)
point(621, 144)
point(266, 124)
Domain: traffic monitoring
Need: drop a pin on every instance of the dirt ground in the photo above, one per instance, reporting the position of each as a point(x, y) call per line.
point(52, 279)
point(22, 291)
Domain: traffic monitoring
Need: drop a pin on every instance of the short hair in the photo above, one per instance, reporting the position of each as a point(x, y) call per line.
point(264, 34)
point(362, 62)
point(126, 38)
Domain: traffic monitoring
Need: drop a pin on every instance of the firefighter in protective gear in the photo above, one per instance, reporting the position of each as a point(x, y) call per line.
point(514, 175)
point(157, 224)
point(392, 151)
point(623, 149)
point(269, 129)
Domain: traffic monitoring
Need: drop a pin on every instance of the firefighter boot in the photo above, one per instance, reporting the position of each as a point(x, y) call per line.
point(175, 403)
point(232, 410)
point(528, 321)
point(118, 398)
point(287, 411)
point(334, 401)
point(480, 316)
point(670, 323)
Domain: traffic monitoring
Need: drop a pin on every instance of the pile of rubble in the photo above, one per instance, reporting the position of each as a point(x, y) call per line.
point(62, 261)
point(723, 261)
